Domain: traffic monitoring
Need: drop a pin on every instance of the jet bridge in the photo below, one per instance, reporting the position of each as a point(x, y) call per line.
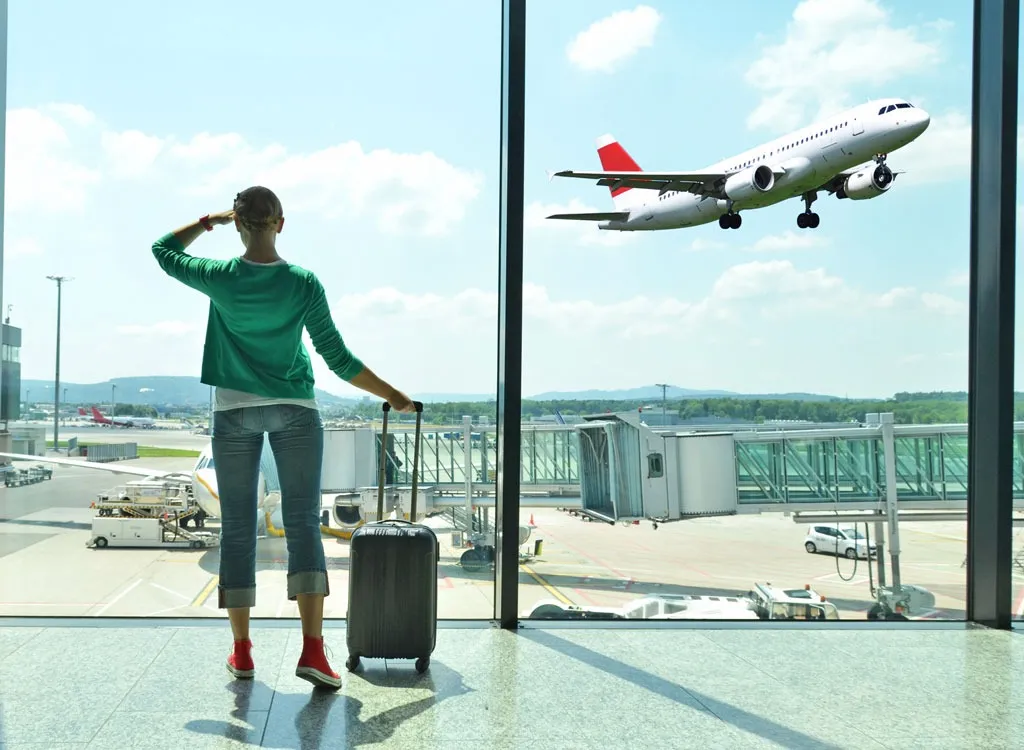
point(630, 473)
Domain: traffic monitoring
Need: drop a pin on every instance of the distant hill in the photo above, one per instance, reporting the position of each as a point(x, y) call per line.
point(157, 391)
point(652, 392)
point(167, 390)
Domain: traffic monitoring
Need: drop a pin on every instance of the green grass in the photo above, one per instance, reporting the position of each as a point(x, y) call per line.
point(149, 451)
point(145, 451)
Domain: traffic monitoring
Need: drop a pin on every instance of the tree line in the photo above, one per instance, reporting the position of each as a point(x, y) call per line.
point(908, 408)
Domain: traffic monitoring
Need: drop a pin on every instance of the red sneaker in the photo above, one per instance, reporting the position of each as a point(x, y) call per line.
point(240, 661)
point(313, 665)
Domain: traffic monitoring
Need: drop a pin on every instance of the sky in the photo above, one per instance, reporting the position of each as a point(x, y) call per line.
point(380, 133)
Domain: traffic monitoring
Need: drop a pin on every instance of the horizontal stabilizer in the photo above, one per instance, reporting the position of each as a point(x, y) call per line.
point(597, 216)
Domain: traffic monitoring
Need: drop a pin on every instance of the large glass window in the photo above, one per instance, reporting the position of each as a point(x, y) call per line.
point(745, 370)
point(379, 135)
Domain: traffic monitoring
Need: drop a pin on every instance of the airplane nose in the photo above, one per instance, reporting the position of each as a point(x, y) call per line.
point(920, 121)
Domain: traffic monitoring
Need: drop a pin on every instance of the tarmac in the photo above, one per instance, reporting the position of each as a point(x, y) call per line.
point(47, 570)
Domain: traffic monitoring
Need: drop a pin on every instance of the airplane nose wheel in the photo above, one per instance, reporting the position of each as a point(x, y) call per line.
point(730, 221)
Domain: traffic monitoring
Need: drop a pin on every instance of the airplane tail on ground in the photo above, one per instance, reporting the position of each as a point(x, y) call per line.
point(82, 412)
point(614, 158)
point(97, 416)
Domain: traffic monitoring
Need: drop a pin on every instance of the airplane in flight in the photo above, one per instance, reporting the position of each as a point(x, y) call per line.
point(843, 155)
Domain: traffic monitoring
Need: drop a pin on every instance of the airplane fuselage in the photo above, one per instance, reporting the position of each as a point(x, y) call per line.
point(802, 161)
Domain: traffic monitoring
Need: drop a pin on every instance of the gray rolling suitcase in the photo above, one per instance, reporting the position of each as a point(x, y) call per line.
point(392, 579)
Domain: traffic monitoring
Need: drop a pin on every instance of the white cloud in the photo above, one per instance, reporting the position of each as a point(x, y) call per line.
point(174, 328)
point(831, 49)
point(700, 244)
point(53, 166)
point(42, 169)
point(789, 240)
point(942, 153)
point(942, 304)
point(17, 247)
point(960, 278)
point(76, 113)
point(131, 153)
point(574, 337)
point(613, 40)
point(405, 193)
point(585, 232)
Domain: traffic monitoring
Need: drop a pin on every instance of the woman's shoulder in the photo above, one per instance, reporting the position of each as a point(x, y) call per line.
point(301, 273)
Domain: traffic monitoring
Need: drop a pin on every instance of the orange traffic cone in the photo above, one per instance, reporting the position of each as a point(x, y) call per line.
point(531, 520)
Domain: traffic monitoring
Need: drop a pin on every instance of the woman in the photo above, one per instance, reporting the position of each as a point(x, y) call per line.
point(255, 358)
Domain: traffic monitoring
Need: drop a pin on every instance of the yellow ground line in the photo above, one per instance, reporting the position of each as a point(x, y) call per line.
point(547, 586)
point(203, 595)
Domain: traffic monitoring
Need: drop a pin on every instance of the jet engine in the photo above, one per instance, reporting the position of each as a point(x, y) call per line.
point(867, 183)
point(749, 182)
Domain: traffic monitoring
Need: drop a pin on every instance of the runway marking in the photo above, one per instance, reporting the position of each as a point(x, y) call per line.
point(546, 586)
point(164, 611)
point(203, 595)
point(617, 573)
point(836, 578)
point(117, 598)
point(169, 591)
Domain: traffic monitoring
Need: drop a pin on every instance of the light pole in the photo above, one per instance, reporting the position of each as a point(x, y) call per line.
point(56, 370)
point(113, 402)
point(664, 388)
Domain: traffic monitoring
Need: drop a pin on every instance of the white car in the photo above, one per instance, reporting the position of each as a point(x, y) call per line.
point(850, 542)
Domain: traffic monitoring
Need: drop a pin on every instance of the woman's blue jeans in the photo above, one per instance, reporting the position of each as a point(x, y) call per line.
point(297, 440)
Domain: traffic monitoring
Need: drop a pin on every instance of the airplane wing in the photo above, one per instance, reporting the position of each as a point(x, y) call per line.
point(112, 468)
point(597, 216)
point(696, 182)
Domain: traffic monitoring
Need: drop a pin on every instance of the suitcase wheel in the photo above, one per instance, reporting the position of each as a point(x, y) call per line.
point(422, 663)
point(352, 663)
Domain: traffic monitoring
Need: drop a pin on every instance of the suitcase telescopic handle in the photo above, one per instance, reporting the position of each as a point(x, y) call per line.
point(384, 457)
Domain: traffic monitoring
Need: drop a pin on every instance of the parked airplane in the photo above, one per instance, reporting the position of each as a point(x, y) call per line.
point(202, 477)
point(98, 418)
point(844, 155)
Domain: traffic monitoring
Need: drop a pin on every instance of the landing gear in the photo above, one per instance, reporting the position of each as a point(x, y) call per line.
point(730, 221)
point(808, 219)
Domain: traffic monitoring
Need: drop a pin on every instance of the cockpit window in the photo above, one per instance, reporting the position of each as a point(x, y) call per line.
point(891, 107)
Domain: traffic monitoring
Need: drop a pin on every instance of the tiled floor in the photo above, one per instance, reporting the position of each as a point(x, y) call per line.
point(166, 687)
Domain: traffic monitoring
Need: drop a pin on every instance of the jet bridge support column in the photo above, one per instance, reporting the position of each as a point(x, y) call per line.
point(891, 508)
point(880, 542)
point(467, 462)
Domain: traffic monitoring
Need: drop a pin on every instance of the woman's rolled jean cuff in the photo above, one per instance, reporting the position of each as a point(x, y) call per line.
point(236, 597)
point(308, 582)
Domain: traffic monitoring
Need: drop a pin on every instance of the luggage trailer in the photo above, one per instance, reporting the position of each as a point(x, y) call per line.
point(148, 513)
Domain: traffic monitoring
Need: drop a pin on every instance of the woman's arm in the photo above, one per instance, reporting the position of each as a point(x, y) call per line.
point(189, 233)
point(329, 344)
point(169, 252)
point(368, 381)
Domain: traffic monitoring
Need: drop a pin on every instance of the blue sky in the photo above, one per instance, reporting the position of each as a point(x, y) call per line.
point(380, 133)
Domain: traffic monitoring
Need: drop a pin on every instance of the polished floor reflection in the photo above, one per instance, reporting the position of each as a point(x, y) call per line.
point(166, 687)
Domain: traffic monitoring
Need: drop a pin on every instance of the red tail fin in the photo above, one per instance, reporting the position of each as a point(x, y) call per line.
point(614, 158)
